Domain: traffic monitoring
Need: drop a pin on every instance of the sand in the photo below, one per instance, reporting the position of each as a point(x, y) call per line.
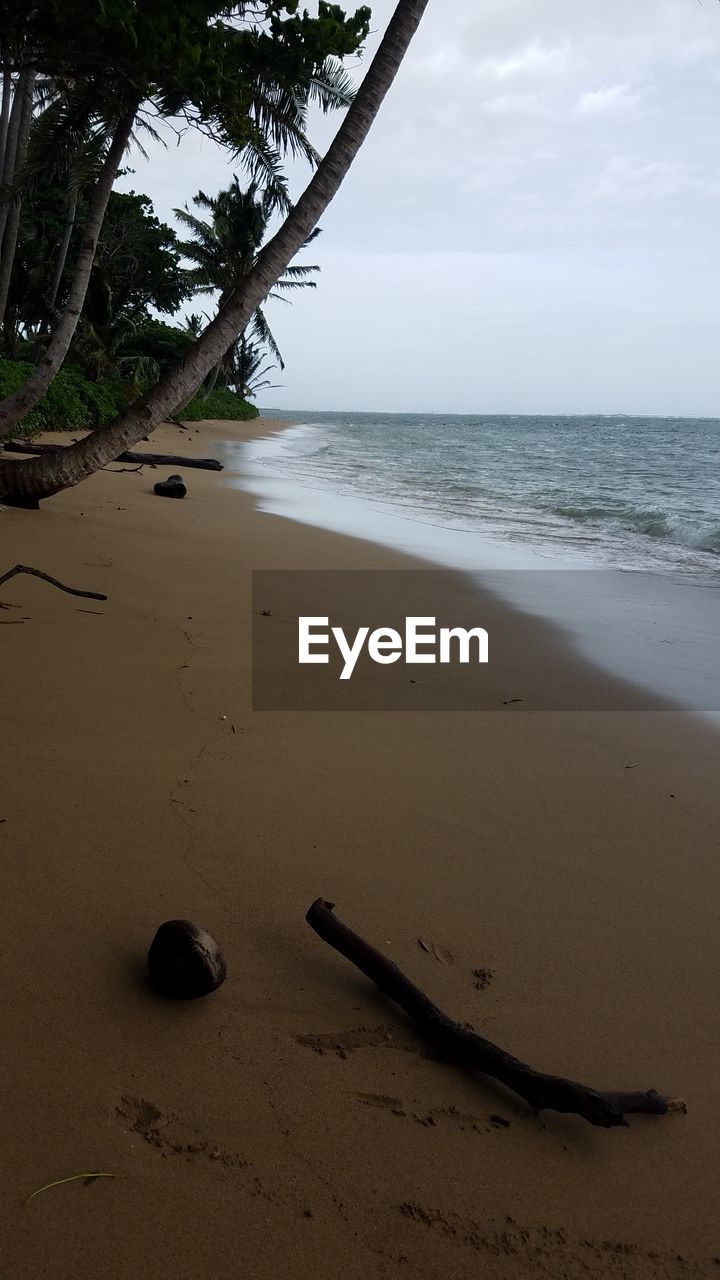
point(290, 1125)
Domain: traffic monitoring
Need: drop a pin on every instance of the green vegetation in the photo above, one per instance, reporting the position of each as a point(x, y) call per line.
point(221, 403)
point(85, 272)
point(72, 403)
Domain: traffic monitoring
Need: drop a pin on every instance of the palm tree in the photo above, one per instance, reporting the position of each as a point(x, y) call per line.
point(225, 249)
point(275, 121)
point(15, 406)
point(14, 150)
point(247, 368)
point(26, 482)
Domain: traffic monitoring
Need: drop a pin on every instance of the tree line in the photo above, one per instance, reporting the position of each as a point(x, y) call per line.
point(81, 265)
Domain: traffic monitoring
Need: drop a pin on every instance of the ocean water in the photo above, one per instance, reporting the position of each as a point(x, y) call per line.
point(621, 492)
point(637, 499)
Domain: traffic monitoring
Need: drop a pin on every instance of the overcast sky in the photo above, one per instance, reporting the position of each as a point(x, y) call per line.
point(531, 227)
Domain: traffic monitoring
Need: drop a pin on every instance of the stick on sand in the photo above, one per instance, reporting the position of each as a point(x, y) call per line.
point(464, 1048)
point(39, 573)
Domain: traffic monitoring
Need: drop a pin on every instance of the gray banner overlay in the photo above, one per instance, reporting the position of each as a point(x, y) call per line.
point(555, 640)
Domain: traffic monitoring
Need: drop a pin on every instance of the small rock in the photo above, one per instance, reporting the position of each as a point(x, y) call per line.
point(173, 487)
point(184, 961)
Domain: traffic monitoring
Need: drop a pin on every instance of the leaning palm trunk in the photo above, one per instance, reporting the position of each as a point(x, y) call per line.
point(12, 224)
point(38, 478)
point(5, 114)
point(14, 407)
point(211, 382)
point(63, 250)
point(13, 139)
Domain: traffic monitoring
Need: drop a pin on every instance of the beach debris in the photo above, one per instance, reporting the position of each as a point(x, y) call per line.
point(185, 961)
point(173, 487)
point(128, 455)
point(467, 1049)
point(46, 577)
point(86, 1178)
point(507, 702)
point(266, 613)
point(441, 954)
point(634, 765)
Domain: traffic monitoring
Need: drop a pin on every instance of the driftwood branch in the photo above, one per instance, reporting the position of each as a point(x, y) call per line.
point(465, 1048)
point(128, 455)
point(46, 577)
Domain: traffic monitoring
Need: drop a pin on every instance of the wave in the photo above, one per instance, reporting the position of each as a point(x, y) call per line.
point(652, 521)
point(621, 490)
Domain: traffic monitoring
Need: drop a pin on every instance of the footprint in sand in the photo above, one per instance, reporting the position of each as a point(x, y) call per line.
point(143, 1117)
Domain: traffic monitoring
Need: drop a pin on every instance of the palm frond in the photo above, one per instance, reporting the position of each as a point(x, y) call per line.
point(263, 164)
point(332, 88)
point(262, 331)
point(298, 271)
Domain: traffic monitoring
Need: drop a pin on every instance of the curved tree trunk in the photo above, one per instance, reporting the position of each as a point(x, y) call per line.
point(12, 225)
point(42, 477)
point(11, 142)
point(5, 114)
point(14, 407)
point(63, 249)
point(212, 381)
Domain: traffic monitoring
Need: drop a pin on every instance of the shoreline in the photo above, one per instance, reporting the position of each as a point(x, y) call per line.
point(293, 1107)
point(649, 629)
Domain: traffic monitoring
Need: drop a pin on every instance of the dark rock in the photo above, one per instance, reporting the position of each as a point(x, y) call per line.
point(173, 487)
point(184, 961)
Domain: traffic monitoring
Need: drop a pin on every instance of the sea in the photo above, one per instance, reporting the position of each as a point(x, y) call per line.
point(630, 504)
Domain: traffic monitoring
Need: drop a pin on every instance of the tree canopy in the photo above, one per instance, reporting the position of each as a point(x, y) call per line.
point(265, 63)
point(226, 67)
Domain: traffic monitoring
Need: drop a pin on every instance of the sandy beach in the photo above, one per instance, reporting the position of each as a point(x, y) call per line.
point(291, 1125)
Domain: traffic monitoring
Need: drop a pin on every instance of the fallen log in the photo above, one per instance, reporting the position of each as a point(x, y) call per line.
point(46, 577)
point(152, 459)
point(464, 1048)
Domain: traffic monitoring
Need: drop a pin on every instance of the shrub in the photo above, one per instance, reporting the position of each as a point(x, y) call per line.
point(221, 403)
point(70, 404)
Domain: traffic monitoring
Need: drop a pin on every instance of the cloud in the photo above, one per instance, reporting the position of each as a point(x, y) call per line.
point(610, 98)
point(626, 178)
point(543, 135)
point(514, 104)
point(531, 59)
